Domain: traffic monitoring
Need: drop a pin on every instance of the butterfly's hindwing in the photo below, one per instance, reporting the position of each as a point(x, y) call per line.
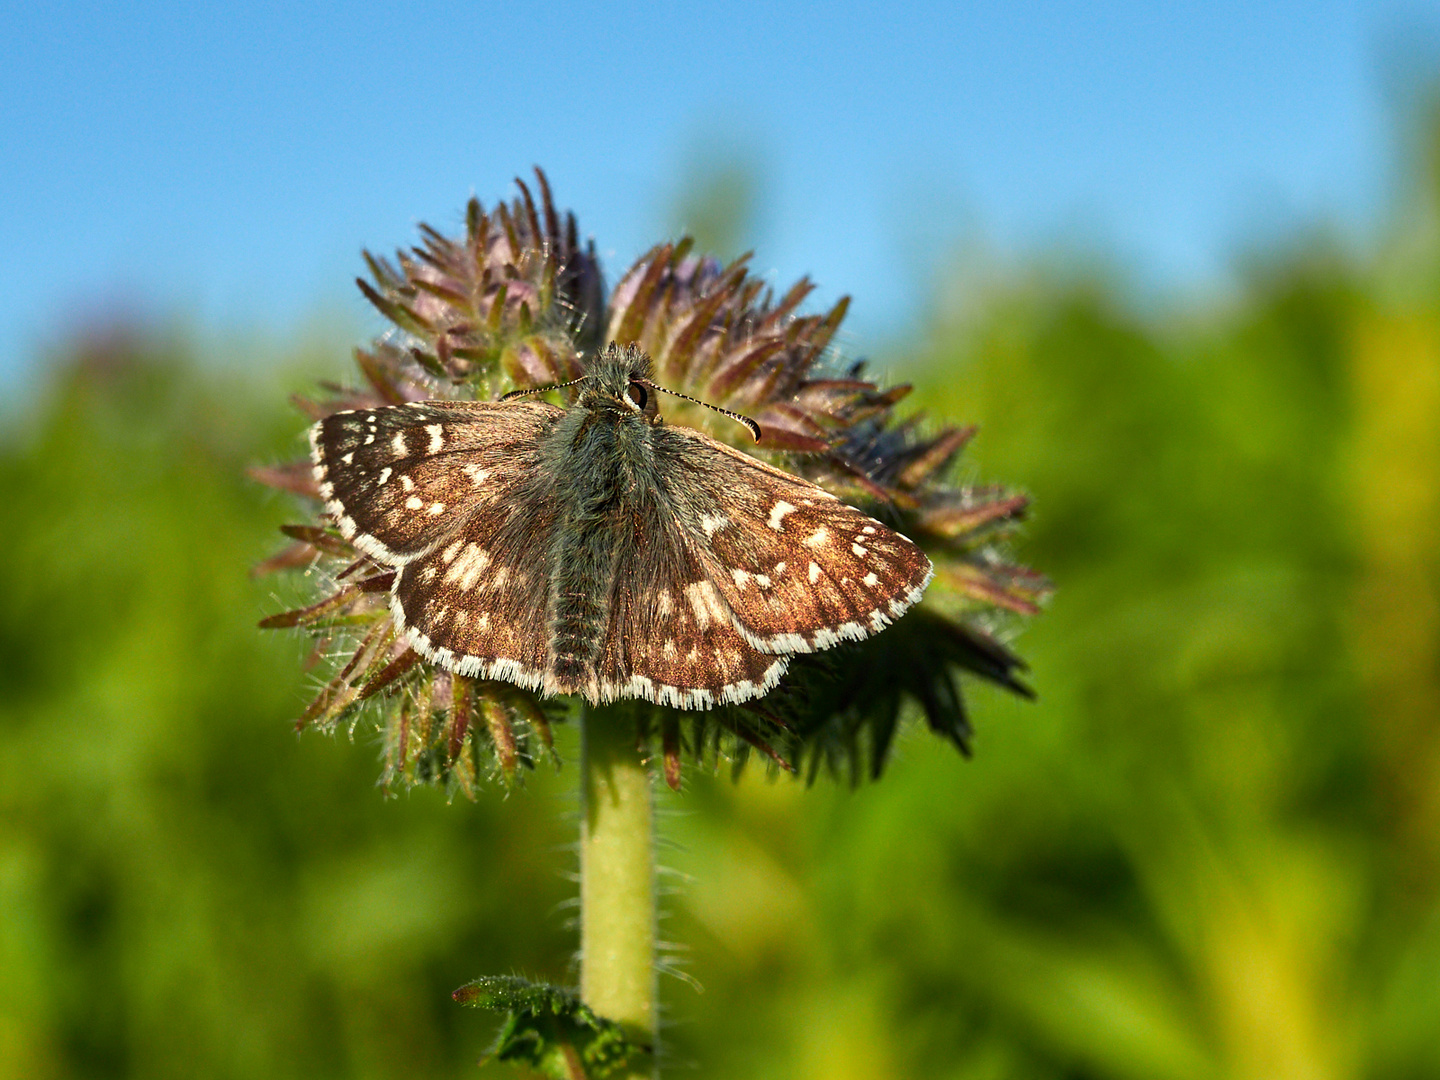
point(395, 479)
point(672, 638)
point(477, 602)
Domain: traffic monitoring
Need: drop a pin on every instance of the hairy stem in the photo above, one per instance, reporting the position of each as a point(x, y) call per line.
point(617, 875)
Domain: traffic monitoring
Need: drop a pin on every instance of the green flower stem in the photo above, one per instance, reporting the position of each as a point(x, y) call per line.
point(617, 875)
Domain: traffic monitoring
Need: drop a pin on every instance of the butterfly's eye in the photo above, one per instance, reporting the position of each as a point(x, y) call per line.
point(641, 400)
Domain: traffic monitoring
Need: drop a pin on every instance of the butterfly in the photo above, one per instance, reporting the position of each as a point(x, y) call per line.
point(596, 550)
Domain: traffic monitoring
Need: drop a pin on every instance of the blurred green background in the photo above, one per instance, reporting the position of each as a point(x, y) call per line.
point(1211, 849)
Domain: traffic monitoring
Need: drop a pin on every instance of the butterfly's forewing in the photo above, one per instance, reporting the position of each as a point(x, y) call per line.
point(800, 570)
point(451, 494)
point(397, 479)
point(672, 638)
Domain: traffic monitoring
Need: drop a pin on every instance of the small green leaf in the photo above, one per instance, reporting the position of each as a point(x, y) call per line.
point(550, 1029)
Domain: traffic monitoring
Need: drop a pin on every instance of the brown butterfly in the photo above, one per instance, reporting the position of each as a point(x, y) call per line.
point(594, 550)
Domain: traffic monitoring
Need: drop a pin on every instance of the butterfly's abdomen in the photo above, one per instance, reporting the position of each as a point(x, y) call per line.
point(580, 613)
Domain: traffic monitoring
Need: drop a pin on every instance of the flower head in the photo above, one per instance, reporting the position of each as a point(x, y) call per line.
point(515, 305)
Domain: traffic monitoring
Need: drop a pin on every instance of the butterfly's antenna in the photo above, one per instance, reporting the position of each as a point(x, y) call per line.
point(542, 389)
point(750, 425)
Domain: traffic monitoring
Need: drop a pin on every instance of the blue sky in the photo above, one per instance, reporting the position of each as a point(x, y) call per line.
point(224, 163)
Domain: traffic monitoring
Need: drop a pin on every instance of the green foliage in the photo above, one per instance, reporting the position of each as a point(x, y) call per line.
point(550, 1029)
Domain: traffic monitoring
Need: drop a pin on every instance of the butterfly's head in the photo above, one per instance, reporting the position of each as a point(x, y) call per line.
point(618, 380)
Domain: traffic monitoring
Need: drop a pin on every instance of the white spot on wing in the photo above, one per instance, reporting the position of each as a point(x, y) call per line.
point(468, 566)
point(398, 444)
point(713, 523)
point(818, 537)
point(413, 503)
point(437, 437)
point(384, 475)
point(777, 514)
point(814, 573)
point(705, 602)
